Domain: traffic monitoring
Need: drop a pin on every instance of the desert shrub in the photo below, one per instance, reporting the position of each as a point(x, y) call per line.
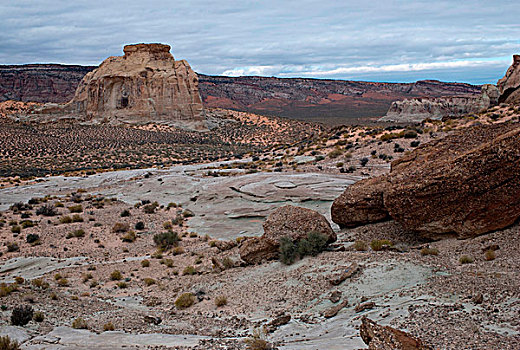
point(220, 300)
point(18, 207)
point(415, 143)
point(16, 229)
point(12, 247)
point(120, 227)
point(77, 218)
point(363, 161)
point(178, 250)
point(125, 213)
point(122, 285)
point(7, 344)
point(335, 153)
point(193, 234)
point(228, 262)
point(26, 223)
point(129, 237)
point(410, 134)
point(46, 210)
point(189, 270)
point(167, 225)
point(139, 225)
point(150, 208)
point(379, 244)
point(145, 263)
point(65, 219)
point(188, 213)
point(360, 246)
point(108, 327)
point(149, 281)
point(21, 315)
point(490, 254)
point(76, 208)
point(465, 259)
point(288, 250)
point(19, 280)
point(184, 301)
point(6, 289)
point(63, 282)
point(167, 262)
point(166, 239)
point(38, 316)
point(212, 244)
point(178, 220)
point(256, 341)
point(76, 233)
point(79, 323)
point(40, 283)
point(429, 251)
point(116, 275)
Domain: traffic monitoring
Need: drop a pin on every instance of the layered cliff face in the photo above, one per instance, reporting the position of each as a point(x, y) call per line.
point(145, 85)
point(40, 82)
point(509, 85)
point(418, 109)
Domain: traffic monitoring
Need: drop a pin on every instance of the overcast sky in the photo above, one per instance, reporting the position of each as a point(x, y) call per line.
point(456, 40)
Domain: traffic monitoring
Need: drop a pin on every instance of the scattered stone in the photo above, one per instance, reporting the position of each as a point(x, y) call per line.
point(333, 311)
point(254, 250)
point(278, 321)
point(152, 319)
point(225, 245)
point(478, 298)
point(387, 338)
point(364, 306)
point(335, 296)
point(347, 273)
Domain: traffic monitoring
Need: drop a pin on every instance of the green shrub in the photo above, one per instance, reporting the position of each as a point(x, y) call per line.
point(313, 244)
point(12, 247)
point(46, 210)
point(429, 251)
point(122, 285)
point(116, 275)
point(189, 270)
point(167, 262)
point(125, 213)
point(129, 237)
point(149, 281)
point(379, 244)
point(26, 223)
point(184, 301)
point(166, 240)
point(360, 246)
point(220, 300)
point(38, 317)
point(108, 327)
point(65, 219)
point(63, 282)
point(77, 218)
point(288, 250)
point(139, 225)
point(465, 259)
point(145, 263)
point(228, 262)
point(120, 227)
point(76, 208)
point(16, 229)
point(32, 238)
point(490, 255)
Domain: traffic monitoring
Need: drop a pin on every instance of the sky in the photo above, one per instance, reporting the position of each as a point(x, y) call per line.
point(395, 41)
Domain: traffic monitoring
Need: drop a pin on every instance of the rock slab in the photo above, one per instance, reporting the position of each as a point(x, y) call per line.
point(387, 338)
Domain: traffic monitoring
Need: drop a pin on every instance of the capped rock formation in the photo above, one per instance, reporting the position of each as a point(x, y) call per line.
point(418, 109)
point(145, 85)
point(467, 183)
point(294, 222)
point(509, 85)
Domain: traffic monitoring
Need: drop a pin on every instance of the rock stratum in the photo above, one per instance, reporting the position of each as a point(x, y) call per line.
point(329, 101)
point(467, 183)
point(509, 85)
point(145, 85)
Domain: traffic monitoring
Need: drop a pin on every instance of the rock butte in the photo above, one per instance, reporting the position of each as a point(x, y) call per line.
point(145, 85)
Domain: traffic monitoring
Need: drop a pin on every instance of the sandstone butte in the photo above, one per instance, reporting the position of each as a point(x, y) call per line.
point(145, 85)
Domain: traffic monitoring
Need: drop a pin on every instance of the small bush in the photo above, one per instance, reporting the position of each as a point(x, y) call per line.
point(363, 161)
point(46, 210)
point(63, 282)
point(40, 283)
point(7, 344)
point(130, 237)
point(145, 263)
point(360, 246)
point(166, 240)
point(122, 285)
point(76, 233)
point(167, 262)
point(410, 134)
point(429, 251)
point(149, 281)
point(12, 247)
point(27, 223)
point(490, 255)
point(79, 323)
point(120, 227)
point(465, 259)
point(139, 225)
point(76, 208)
point(188, 213)
point(228, 262)
point(189, 270)
point(16, 229)
point(38, 316)
point(167, 225)
point(108, 327)
point(184, 301)
point(379, 244)
point(221, 300)
point(19, 280)
point(65, 219)
point(116, 275)
point(77, 218)
point(125, 213)
point(150, 208)
point(21, 315)
point(288, 250)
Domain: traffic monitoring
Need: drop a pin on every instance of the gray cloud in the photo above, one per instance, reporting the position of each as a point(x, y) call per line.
point(373, 40)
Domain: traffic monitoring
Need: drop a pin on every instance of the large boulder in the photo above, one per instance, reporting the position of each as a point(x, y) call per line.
point(379, 337)
point(509, 85)
point(467, 183)
point(145, 85)
point(294, 222)
point(360, 204)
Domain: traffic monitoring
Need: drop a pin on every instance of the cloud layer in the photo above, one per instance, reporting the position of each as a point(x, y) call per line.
point(395, 40)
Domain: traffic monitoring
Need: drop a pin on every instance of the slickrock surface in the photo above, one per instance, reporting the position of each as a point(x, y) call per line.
point(145, 85)
point(509, 85)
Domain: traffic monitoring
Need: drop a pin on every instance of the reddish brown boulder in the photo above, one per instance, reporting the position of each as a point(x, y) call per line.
point(294, 222)
point(255, 250)
point(467, 183)
point(387, 338)
point(360, 204)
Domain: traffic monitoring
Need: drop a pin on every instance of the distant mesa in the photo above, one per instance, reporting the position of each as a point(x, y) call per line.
point(145, 85)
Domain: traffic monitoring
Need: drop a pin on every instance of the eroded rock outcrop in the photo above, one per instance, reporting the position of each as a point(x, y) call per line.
point(418, 109)
point(509, 85)
point(387, 338)
point(294, 222)
point(145, 85)
point(467, 183)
